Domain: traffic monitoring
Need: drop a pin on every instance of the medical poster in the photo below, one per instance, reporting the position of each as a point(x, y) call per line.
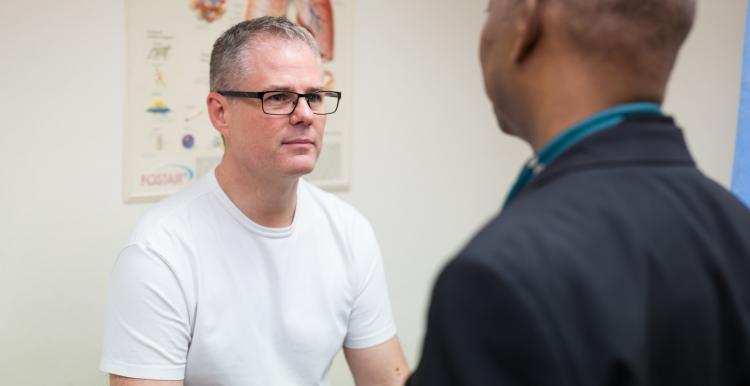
point(169, 140)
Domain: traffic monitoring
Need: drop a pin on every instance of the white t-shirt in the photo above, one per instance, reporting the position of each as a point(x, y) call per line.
point(202, 293)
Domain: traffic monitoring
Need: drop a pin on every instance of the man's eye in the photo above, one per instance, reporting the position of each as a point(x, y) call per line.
point(314, 98)
point(278, 98)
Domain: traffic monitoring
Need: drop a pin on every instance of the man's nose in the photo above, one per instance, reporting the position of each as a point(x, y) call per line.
point(302, 112)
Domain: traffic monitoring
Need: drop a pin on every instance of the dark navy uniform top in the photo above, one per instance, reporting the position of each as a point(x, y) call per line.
point(618, 264)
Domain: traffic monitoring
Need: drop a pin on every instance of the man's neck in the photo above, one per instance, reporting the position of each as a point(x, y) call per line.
point(550, 123)
point(266, 201)
point(575, 97)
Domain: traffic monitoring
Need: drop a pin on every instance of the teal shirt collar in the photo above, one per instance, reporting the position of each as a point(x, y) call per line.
point(565, 140)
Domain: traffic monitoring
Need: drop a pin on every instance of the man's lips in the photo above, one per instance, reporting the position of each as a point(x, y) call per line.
point(299, 141)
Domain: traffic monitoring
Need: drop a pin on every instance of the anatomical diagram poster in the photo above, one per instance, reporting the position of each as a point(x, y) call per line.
point(169, 141)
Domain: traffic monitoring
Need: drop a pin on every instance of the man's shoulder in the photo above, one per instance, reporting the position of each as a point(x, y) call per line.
point(529, 239)
point(505, 237)
point(171, 213)
point(610, 214)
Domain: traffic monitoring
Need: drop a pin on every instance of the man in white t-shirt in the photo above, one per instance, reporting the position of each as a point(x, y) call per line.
point(252, 276)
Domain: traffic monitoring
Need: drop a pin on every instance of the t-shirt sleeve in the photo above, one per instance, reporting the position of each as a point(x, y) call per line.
point(371, 319)
point(147, 323)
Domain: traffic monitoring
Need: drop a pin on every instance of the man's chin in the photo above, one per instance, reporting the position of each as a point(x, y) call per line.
point(505, 126)
point(301, 172)
point(301, 167)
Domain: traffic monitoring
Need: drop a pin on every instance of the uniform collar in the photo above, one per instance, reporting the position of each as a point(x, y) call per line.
point(573, 135)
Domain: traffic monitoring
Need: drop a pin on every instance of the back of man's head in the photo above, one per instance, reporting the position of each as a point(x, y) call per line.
point(550, 63)
point(642, 36)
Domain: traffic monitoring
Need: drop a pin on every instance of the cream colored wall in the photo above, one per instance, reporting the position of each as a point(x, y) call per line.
point(427, 173)
point(705, 87)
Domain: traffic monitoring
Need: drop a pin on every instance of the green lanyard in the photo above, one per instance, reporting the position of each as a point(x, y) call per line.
point(594, 124)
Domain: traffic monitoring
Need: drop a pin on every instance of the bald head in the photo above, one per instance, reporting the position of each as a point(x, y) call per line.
point(643, 35)
point(550, 63)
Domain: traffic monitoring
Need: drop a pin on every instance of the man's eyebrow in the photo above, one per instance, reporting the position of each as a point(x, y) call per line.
point(278, 88)
point(287, 88)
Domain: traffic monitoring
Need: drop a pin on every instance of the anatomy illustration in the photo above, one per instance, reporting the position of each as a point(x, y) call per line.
point(315, 15)
point(209, 10)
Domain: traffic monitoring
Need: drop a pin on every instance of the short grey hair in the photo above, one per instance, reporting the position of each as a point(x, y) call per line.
point(232, 49)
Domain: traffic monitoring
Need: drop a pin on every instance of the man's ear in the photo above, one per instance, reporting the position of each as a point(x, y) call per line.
point(528, 25)
point(218, 113)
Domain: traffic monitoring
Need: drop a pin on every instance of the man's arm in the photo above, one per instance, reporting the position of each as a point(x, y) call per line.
point(116, 380)
point(147, 328)
point(383, 364)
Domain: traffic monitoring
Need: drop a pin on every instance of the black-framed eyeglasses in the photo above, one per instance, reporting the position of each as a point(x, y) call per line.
point(284, 102)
